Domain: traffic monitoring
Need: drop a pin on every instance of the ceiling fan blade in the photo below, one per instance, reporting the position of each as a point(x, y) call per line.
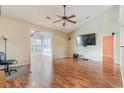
point(57, 21)
point(71, 16)
point(58, 16)
point(72, 21)
point(64, 23)
point(48, 17)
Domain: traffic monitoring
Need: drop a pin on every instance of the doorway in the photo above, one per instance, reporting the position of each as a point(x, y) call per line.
point(41, 49)
point(108, 49)
point(41, 59)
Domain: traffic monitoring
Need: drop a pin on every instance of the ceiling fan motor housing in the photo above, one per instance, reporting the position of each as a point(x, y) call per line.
point(64, 17)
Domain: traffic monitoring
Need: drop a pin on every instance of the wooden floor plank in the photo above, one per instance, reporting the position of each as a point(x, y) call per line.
point(2, 79)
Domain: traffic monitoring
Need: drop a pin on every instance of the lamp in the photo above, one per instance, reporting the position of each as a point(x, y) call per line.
point(5, 39)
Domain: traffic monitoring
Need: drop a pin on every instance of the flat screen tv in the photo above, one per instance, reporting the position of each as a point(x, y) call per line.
point(87, 39)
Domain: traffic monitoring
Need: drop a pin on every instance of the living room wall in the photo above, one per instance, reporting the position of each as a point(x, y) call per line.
point(122, 40)
point(102, 25)
point(18, 43)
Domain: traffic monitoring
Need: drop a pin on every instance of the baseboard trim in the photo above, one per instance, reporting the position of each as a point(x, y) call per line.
point(64, 57)
point(16, 65)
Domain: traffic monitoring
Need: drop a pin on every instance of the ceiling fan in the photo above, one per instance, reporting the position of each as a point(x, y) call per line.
point(65, 18)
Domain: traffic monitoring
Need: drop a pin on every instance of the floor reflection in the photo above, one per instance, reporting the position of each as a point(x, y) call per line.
point(41, 67)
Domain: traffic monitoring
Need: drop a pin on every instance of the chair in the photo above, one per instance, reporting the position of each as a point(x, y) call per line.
point(7, 63)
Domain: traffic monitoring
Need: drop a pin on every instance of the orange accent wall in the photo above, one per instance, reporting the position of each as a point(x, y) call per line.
point(108, 46)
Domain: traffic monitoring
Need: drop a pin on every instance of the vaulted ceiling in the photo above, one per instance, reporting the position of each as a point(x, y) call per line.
point(36, 14)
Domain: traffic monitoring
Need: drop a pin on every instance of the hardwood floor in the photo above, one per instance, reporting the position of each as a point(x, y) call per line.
point(69, 73)
point(2, 79)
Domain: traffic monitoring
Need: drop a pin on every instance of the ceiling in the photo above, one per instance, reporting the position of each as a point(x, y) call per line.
point(36, 14)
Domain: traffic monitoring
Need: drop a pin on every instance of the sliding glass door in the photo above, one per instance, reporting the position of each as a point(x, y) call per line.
point(41, 44)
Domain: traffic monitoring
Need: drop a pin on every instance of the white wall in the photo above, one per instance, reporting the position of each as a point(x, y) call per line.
point(122, 40)
point(122, 62)
point(18, 43)
point(102, 25)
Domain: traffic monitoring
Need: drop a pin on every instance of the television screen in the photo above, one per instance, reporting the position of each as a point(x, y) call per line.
point(90, 40)
point(79, 40)
point(87, 39)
